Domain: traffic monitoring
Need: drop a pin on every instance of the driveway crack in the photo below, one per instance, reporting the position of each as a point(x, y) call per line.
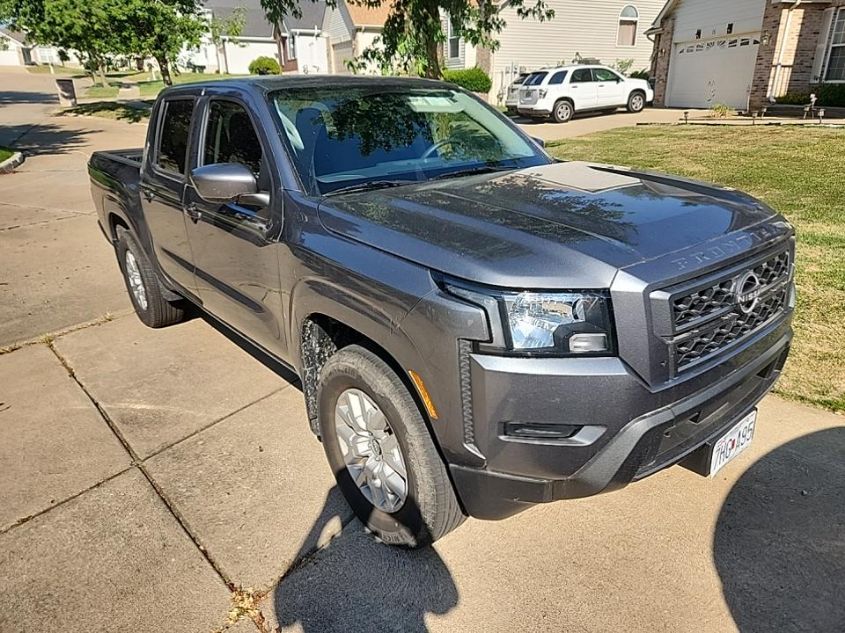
point(139, 463)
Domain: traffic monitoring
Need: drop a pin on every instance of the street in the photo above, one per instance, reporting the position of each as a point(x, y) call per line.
point(166, 480)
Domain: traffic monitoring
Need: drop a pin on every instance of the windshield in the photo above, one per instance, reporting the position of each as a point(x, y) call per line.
point(344, 137)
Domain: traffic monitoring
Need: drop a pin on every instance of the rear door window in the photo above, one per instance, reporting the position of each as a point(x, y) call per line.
point(173, 136)
point(557, 78)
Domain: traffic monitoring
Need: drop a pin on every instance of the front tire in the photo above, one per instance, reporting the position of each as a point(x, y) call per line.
point(636, 102)
point(381, 451)
point(563, 111)
point(143, 284)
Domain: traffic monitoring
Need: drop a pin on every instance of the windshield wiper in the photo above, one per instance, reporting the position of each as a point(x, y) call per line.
point(371, 186)
point(473, 171)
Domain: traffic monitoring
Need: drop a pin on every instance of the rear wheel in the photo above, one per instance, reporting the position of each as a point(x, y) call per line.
point(381, 452)
point(563, 111)
point(143, 285)
point(636, 102)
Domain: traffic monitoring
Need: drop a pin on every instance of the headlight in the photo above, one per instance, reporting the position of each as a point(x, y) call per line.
point(561, 323)
point(543, 94)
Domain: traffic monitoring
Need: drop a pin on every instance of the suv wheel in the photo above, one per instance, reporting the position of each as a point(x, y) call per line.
point(563, 111)
point(636, 102)
point(143, 285)
point(381, 452)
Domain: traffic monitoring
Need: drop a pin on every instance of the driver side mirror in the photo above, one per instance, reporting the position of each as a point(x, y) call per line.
point(539, 141)
point(224, 182)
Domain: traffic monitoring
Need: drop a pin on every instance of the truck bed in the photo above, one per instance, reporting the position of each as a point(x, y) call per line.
point(115, 179)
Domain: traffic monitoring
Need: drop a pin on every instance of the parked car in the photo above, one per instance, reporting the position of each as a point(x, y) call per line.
point(512, 97)
point(563, 91)
point(477, 327)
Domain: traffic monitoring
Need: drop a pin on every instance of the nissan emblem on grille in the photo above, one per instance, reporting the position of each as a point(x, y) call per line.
point(747, 292)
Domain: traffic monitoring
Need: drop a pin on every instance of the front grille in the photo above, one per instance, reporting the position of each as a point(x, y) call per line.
point(700, 319)
point(731, 328)
point(720, 296)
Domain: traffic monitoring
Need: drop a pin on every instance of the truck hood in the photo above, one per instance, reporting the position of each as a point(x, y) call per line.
point(564, 225)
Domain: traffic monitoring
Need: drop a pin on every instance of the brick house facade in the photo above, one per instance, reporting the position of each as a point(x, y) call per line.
point(797, 46)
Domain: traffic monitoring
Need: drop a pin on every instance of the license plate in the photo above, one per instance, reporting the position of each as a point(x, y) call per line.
point(732, 443)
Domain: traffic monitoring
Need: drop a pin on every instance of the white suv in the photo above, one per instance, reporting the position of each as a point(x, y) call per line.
point(561, 92)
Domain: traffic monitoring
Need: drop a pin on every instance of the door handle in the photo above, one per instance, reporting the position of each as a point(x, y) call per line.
point(193, 212)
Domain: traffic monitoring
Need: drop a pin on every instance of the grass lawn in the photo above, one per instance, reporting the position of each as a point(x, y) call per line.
point(102, 92)
point(152, 88)
point(5, 153)
point(113, 110)
point(801, 173)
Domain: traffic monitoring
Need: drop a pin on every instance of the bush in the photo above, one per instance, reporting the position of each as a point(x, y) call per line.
point(721, 111)
point(831, 95)
point(264, 66)
point(794, 98)
point(472, 79)
point(639, 74)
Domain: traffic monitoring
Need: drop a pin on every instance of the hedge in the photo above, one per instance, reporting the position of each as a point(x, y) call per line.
point(830, 95)
point(472, 79)
point(264, 66)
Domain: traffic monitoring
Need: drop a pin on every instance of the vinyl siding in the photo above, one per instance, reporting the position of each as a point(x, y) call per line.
point(585, 27)
point(713, 17)
point(337, 26)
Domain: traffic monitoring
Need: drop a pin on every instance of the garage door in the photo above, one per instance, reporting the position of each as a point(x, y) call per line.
point(704, 73)
point(342, 52)
point(9, 57)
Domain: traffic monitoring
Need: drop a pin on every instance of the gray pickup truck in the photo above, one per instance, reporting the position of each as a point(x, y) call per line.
point(477, 326)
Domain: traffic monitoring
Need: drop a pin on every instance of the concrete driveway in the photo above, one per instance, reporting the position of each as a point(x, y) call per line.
point(590, 123)
point(165, 480)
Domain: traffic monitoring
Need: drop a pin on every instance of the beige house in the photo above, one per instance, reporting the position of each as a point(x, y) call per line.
point(605, 30)
point(352, 29)
point(745, 53)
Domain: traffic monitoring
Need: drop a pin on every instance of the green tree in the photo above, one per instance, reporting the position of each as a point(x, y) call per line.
point(412, 36)
point(159, 29)
point(99, 28)
point(82, 25)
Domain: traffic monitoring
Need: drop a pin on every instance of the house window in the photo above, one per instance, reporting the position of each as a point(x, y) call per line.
point(454, 40)
point(290, 53)
point(836, 60)
point(627, 35)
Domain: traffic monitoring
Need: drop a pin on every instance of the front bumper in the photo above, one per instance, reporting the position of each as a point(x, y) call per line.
point(627, 430)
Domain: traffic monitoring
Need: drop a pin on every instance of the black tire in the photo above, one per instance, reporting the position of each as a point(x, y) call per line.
point(430, 509)
point(563, 111)
point(636, 102)
point(158, 312)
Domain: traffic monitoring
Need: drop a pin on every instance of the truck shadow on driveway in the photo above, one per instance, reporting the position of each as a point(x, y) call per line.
point(779, 544)
point(359, 584)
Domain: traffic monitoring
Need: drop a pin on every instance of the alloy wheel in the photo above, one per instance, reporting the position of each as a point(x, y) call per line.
point(136, 284)
point(371, 450)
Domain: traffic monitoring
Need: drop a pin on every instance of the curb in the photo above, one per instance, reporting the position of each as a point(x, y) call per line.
point(8, 165)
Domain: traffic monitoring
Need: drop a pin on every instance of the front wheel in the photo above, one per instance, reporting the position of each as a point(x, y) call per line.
point(381, 452)
point(563, 111)
point(636, 102)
